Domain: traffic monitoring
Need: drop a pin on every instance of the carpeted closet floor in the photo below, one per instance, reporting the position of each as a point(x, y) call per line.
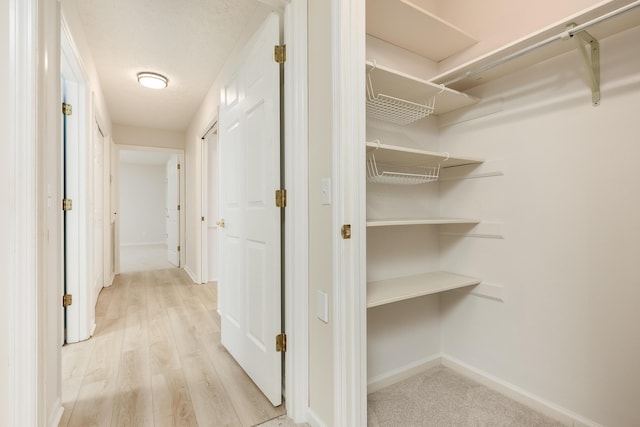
point(440, 397)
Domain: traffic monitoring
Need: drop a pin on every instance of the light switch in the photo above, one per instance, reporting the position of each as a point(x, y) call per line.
point(325, 188)
point(322, 306)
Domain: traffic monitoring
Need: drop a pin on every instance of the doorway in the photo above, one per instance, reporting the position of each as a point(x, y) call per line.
point(149, 209)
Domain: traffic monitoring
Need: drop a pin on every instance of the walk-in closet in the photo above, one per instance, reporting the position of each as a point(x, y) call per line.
point(502, 201)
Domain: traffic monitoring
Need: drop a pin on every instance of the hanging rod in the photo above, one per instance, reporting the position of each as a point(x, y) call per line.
point(570, 32)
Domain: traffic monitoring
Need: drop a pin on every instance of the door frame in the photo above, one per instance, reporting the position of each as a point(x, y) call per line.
point(115, 195)
point(349, 256)
point(204, 201)
point(83, 323)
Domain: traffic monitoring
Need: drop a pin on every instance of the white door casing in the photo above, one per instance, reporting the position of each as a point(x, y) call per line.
point(172, 210)
point(98, 210)
point(250, 246)
point(210, 207)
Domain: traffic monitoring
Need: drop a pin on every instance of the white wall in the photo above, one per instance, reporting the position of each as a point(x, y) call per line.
point(321, 228)
point(568, 331)
point(143, 193)
point(145, 137)
point(207, 112)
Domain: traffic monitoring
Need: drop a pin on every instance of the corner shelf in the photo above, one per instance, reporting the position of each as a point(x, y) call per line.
point(411, 27)
point(403, 288)
point(399, 85)
point(411, 156)
point(420, 221)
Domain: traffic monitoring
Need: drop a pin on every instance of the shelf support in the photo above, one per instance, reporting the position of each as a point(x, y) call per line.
point(590, 50)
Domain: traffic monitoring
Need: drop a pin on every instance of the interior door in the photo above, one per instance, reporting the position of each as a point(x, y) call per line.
point(211, 209)
point(250, 269)
point(173, 211)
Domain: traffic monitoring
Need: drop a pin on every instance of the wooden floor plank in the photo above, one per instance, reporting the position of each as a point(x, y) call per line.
point(156, 360)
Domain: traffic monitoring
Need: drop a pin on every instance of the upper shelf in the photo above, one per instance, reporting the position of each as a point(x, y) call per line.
point(411, 156)
point(387, 81)
point(599, 31)
point(419, 221)
point(409, 26)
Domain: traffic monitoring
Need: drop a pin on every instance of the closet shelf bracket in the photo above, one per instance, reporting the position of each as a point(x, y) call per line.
point(589, 49)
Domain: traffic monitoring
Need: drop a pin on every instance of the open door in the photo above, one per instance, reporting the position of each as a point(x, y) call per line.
point(173, 211)
point(250, 258)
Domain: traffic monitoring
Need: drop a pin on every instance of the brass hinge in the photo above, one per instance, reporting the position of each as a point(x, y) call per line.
point(178, 166)
point(281, 198)
point(280, 54)
point(66, 109)
point(178, 207)
point(281, 342)
point(67, 204)
point(202, 218)
point(345, 231)
point(67, 300)
point(178, 248)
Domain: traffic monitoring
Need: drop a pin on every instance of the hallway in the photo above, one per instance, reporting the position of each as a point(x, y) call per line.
point(156, 360)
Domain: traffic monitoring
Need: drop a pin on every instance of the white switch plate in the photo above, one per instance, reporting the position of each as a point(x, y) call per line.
point(325, 188)
point(322, 306)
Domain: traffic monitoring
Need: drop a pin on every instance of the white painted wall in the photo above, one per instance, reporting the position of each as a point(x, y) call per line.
point(142, 204)
point(568, 331)
point(145, 137)
point(202, 120)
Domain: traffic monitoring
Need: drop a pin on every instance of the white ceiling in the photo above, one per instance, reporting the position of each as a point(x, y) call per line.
point(185, 40)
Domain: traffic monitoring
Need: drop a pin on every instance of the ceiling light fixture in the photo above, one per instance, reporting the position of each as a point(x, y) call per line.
point(152, 80)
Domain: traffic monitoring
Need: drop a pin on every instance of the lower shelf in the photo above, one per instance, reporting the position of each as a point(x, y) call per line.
point(402, 288)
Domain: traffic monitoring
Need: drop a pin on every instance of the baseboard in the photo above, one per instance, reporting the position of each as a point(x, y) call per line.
point(381, 381)
point(190, 273)
point(314, 420)
point(56, 414)
point(519, 395)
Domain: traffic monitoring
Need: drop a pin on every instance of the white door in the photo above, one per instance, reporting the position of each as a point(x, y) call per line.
point(249, 150)
point(173, 211)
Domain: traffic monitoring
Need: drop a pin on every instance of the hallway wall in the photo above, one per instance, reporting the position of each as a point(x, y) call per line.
point(142, 204)
point(145, 137)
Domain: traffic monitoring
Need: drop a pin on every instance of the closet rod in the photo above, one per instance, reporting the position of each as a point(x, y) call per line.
point(570, 32)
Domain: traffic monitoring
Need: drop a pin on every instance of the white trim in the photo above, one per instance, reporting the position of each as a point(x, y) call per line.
point(402, 373)
point(349, 328)
point(313, 419)
point(23, 280)
point(190, 273)
point(56, 414)
point(516, 393)
point(296, 227)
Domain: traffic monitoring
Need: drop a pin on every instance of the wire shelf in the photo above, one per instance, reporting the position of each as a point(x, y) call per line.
point(395, 110)
point(390, 173)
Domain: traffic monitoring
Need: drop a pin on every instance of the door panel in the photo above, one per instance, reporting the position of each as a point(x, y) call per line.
point(172, 211)
point(250, 247)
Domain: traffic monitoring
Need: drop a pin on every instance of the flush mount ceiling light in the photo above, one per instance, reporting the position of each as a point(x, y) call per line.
point(152, 80)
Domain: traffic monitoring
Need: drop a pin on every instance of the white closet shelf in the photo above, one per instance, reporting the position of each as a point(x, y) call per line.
point(600, 31)
point(390, 82)
point(412, 157)
point(403, 288)
point(420, 221)
point(405, 24)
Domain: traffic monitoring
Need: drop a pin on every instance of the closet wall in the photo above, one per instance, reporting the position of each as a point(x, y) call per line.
point(555, 314)
point(568, 329)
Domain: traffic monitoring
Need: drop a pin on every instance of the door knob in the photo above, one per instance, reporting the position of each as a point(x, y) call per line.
point(220, 223)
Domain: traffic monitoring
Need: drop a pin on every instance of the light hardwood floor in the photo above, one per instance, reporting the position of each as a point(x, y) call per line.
point(156, 360)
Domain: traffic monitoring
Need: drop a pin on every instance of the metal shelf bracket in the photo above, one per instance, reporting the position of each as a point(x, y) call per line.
point(590, 50)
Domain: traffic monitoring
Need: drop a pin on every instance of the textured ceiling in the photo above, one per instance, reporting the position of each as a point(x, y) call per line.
point(185, 40)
